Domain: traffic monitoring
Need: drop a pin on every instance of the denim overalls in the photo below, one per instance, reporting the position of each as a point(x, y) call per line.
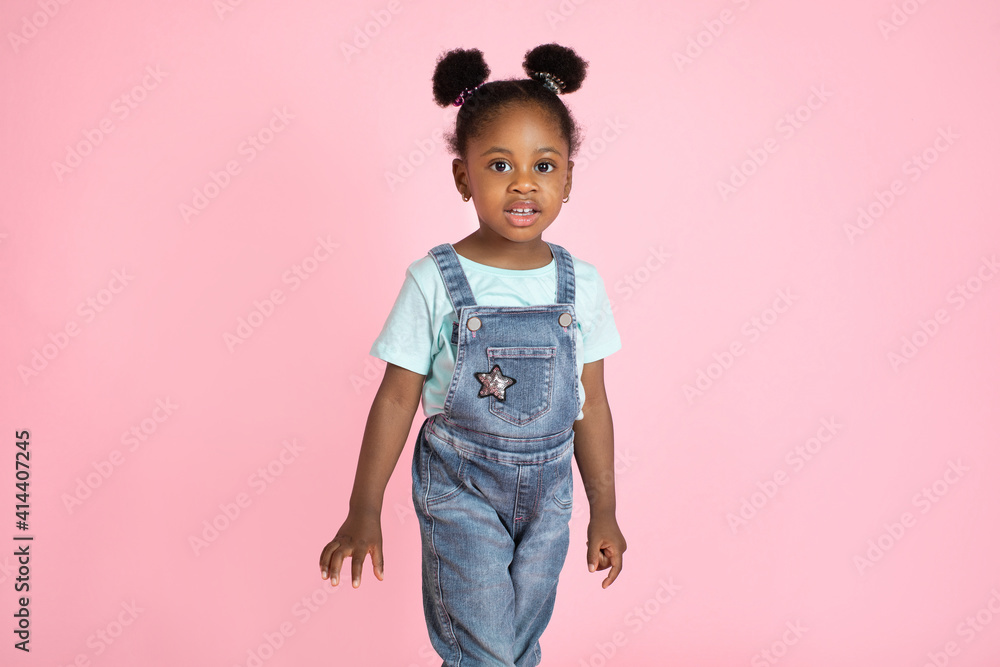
point(492, 474)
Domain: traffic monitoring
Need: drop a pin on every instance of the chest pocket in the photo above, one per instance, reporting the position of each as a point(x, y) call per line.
point(533, 369)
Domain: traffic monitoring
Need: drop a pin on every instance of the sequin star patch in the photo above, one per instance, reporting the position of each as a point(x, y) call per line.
point(495, 383)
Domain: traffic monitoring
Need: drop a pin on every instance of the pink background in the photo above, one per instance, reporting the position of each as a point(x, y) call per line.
point(838, 558)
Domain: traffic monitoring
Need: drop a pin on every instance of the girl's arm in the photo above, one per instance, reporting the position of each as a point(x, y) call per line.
point(594, 445)
point(385, 435)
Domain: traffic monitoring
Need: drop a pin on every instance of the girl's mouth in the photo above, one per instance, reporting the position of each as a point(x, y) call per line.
point(522, 217)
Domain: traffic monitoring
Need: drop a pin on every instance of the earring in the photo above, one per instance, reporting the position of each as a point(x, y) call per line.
point(465, 197)
point(566, 200)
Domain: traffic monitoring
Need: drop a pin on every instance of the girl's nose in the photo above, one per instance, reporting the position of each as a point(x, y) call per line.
point(523, 182)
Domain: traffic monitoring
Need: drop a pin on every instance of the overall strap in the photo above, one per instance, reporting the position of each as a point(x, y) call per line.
point(565, 276)
point(454, 277)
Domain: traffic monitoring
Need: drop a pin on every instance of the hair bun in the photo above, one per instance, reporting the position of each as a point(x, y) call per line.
point(457, 70)
point(559, 61)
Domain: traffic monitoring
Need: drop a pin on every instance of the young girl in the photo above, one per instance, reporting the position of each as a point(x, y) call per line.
point(503, 335)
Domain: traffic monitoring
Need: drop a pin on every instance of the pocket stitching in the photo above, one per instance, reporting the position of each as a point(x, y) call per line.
point(431, 500)
point(565, 504)
point(562, 503)
point(547, 354)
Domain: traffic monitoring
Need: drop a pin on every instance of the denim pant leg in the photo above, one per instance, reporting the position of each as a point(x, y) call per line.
point(539, 558)
point(467, 550)
point(494, 539)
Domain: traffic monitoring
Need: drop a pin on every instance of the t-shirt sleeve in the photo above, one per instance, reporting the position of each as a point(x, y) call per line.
point(407, 337)
point(600, 335)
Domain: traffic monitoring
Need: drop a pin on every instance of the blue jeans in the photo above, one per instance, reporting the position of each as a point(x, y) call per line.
point(495, 533)
point(493, 478)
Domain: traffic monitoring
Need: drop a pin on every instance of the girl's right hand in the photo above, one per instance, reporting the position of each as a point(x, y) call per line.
point(360, 535)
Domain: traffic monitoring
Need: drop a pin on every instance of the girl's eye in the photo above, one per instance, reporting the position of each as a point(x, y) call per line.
point(550, 166)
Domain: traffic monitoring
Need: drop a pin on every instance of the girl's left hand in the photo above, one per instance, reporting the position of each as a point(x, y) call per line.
point(605, 546)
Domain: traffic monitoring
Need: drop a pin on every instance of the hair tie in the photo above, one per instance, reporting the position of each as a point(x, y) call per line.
point(550, 81)
point(465, 95)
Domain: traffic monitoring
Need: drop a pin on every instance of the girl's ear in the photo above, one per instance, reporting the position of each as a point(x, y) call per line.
point(569, 178)
point(461, 176)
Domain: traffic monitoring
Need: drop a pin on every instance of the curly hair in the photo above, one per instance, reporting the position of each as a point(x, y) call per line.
point(460, 71)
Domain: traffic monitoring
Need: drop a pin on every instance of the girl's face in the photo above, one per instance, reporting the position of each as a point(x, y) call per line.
point(517, 162)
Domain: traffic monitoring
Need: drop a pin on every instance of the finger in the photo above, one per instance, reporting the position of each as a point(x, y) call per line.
point(593, 555)
point(336, 562)
point(616, 567)
point(357, 562)
point(378, 564)
point(324, 558)
point(603, 562)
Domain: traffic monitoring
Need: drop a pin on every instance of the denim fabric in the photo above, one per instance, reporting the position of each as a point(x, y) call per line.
point(492, 477)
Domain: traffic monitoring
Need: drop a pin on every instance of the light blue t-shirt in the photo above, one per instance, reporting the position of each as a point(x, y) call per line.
point(417, 333)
